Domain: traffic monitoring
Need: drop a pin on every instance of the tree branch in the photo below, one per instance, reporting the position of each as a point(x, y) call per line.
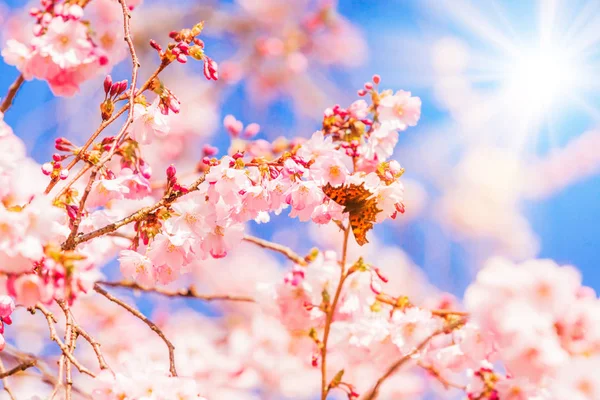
point(12, 92)
point(372, 395)
point(54, 337)
point(286, 251)
point(150, 324)
point(190, 292)
point(136, 216)
point(21, 367)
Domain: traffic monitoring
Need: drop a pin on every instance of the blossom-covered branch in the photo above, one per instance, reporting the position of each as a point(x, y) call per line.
point(189, 292)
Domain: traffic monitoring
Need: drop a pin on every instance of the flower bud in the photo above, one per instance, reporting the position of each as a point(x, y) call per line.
point(171, 171)
point(252, 130)
point(376, 79)
point(107, 84)
point(155, 45)
point(209, 150)
point(182, 58)
point(47, 168)
point(210, 69)
point(64, 174)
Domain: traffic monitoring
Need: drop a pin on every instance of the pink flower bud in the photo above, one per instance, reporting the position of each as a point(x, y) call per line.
point(56, 157)
point(107, 83)
point(362, 92)
point(7, 306)
point(47, 168)
point(233, 125)
point(368, 86)
point(182, 58)
point(56, 165)
point(238, 155)
point(183, 47)
point(252, 130)
point(210, 69)
point(64, 174)
point(122, 86)
point(173, 34)
point(376, 79)
point(209, 150)
point(114, 89)
point(63, 144)
point(171, 171)
point(155, 45)
point(72, 211)
point(206, 160)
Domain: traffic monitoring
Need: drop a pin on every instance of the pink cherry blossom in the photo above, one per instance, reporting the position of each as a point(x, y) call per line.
point(400, 110)
point(138, 267)
point(149, 123)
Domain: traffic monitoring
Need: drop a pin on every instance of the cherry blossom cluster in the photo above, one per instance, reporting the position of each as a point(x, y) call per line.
point(544, 331)
point(240, 188)
point(67, 49)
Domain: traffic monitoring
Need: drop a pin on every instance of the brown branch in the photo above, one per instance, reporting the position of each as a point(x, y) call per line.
point(70, 242)
point(89, 338)
point(329, 317)
point(436, 374)
point(286, 251)
point(150, 324)
point(21, 367)
point(12, 92)
point(54, 337)
point(58, 383)
point(372, 395)
point(46, 375)
point(190, 292)
point(136, 216)
point(7, 388)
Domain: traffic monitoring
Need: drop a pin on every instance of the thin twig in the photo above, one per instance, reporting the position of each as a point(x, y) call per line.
point(286, 251)
point(42, 366)
point(436, 374)
point(59, 381)
point(5, 382)
point(12, 92)
point(69, 243)
point(373, 393)
point(89, 338)
point(54, 337)
point(150, 324)
point(21, 367)
point(188, 292)
point(329, 317)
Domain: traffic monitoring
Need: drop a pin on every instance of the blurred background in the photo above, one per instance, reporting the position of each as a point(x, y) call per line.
point(503, 162)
